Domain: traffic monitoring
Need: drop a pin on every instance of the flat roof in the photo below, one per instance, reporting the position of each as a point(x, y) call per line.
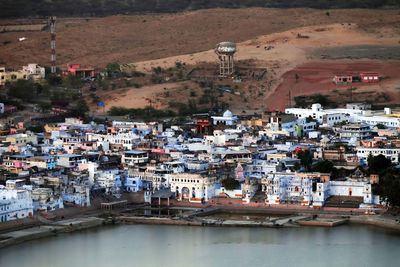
point(136, 152)
point(70, 155)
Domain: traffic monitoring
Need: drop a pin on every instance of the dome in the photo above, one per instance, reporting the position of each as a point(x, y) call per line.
point(227, 114)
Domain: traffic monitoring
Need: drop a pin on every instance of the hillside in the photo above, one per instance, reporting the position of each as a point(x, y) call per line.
point(126, 39)
point(312, 59)
point(350, 40)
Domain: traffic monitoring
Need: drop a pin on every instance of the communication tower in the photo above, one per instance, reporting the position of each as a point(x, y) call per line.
point(225, 51)
point(53, 44)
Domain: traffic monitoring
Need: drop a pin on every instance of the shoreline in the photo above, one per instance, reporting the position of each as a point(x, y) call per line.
point(195, 217)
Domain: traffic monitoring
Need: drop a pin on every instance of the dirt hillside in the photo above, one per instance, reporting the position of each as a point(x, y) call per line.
point(287, 56)
point(126, 39)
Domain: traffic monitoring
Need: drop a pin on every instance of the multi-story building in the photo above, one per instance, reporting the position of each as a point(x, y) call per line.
point(287, 189)
point(22, 139)
point(328, 116)
point(194, 187)
point(34, 71)
point(125, 140)
point(133, 184)
point(358, 131)
point(77, 194)
point(134, 157)
point(70, 160)
point(391, 153)
point(12, 76)
point(31, 71)
point(42, 162)
point(15, 201)
point(45, 200)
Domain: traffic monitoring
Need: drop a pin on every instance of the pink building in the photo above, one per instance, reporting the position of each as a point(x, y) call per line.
point(77, 70)
point(369, 77)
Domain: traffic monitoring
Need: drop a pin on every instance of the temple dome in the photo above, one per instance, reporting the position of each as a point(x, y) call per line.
point(227, 113)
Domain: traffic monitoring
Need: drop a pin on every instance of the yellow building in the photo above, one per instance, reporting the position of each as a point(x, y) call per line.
point(30, 71)
point(10, 76)
point(277, 156)
point(48, 128)
point(253, 122)
point(22, 139)
point(2, 75)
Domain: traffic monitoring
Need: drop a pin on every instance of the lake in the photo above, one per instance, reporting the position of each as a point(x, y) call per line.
point(164, 245)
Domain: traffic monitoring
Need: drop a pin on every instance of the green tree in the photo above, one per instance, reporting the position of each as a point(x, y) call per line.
point(72, 81)
point(80, 108)
point(380, 126)
point(297, 166)
point(230, 183)
point(378, 164)
point(36, 128)
point(113, 68)
point(324, 166)
point(45, 106)
point(389, 188)
point(22, 89)
point(305, 159)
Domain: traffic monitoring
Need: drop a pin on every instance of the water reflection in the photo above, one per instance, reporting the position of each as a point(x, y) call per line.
point(159, 245)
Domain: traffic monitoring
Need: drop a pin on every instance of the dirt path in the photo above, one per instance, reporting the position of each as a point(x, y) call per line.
point(131, 97)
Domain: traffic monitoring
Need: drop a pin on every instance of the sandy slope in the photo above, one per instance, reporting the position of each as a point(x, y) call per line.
point(126, 39)
point(287, 53)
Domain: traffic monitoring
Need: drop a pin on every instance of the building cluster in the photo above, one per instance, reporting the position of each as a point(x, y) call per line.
point(71, 163)
point(31, 71)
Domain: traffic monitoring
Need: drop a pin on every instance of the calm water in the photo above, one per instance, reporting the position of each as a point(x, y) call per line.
point(155, 245)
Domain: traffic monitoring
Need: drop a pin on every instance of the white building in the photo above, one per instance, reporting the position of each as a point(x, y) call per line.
point(192, 186)
point(126, 140)
point(22, 139)
point(44, 200)
point(372, 120)
point(391, 153)
point(344, 188)
point(110, 180)
point(329, 116)
point(321, 194)
point(70, 160)
point(15, 201)
point(281, 189)
point(34, 71)
point(358, 131)
point(132, 157)
point(233, 154)
point(77, 195)
point(259, 168)
point(227, 119)
point(133, 184)
point(350, 114)
point(291, 189)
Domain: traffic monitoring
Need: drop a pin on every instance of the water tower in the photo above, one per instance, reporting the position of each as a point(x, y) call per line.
point(225, 51)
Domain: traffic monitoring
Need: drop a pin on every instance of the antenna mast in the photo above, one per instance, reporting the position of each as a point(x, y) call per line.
point(53, 44)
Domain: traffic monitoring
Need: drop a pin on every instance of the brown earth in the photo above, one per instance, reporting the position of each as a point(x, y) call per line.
point(287, 53)
point(149, 41)
point(316, 78)
point(128, 39)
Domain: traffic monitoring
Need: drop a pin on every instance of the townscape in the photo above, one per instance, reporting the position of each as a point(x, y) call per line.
point(166, 121)
point(269, 159)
